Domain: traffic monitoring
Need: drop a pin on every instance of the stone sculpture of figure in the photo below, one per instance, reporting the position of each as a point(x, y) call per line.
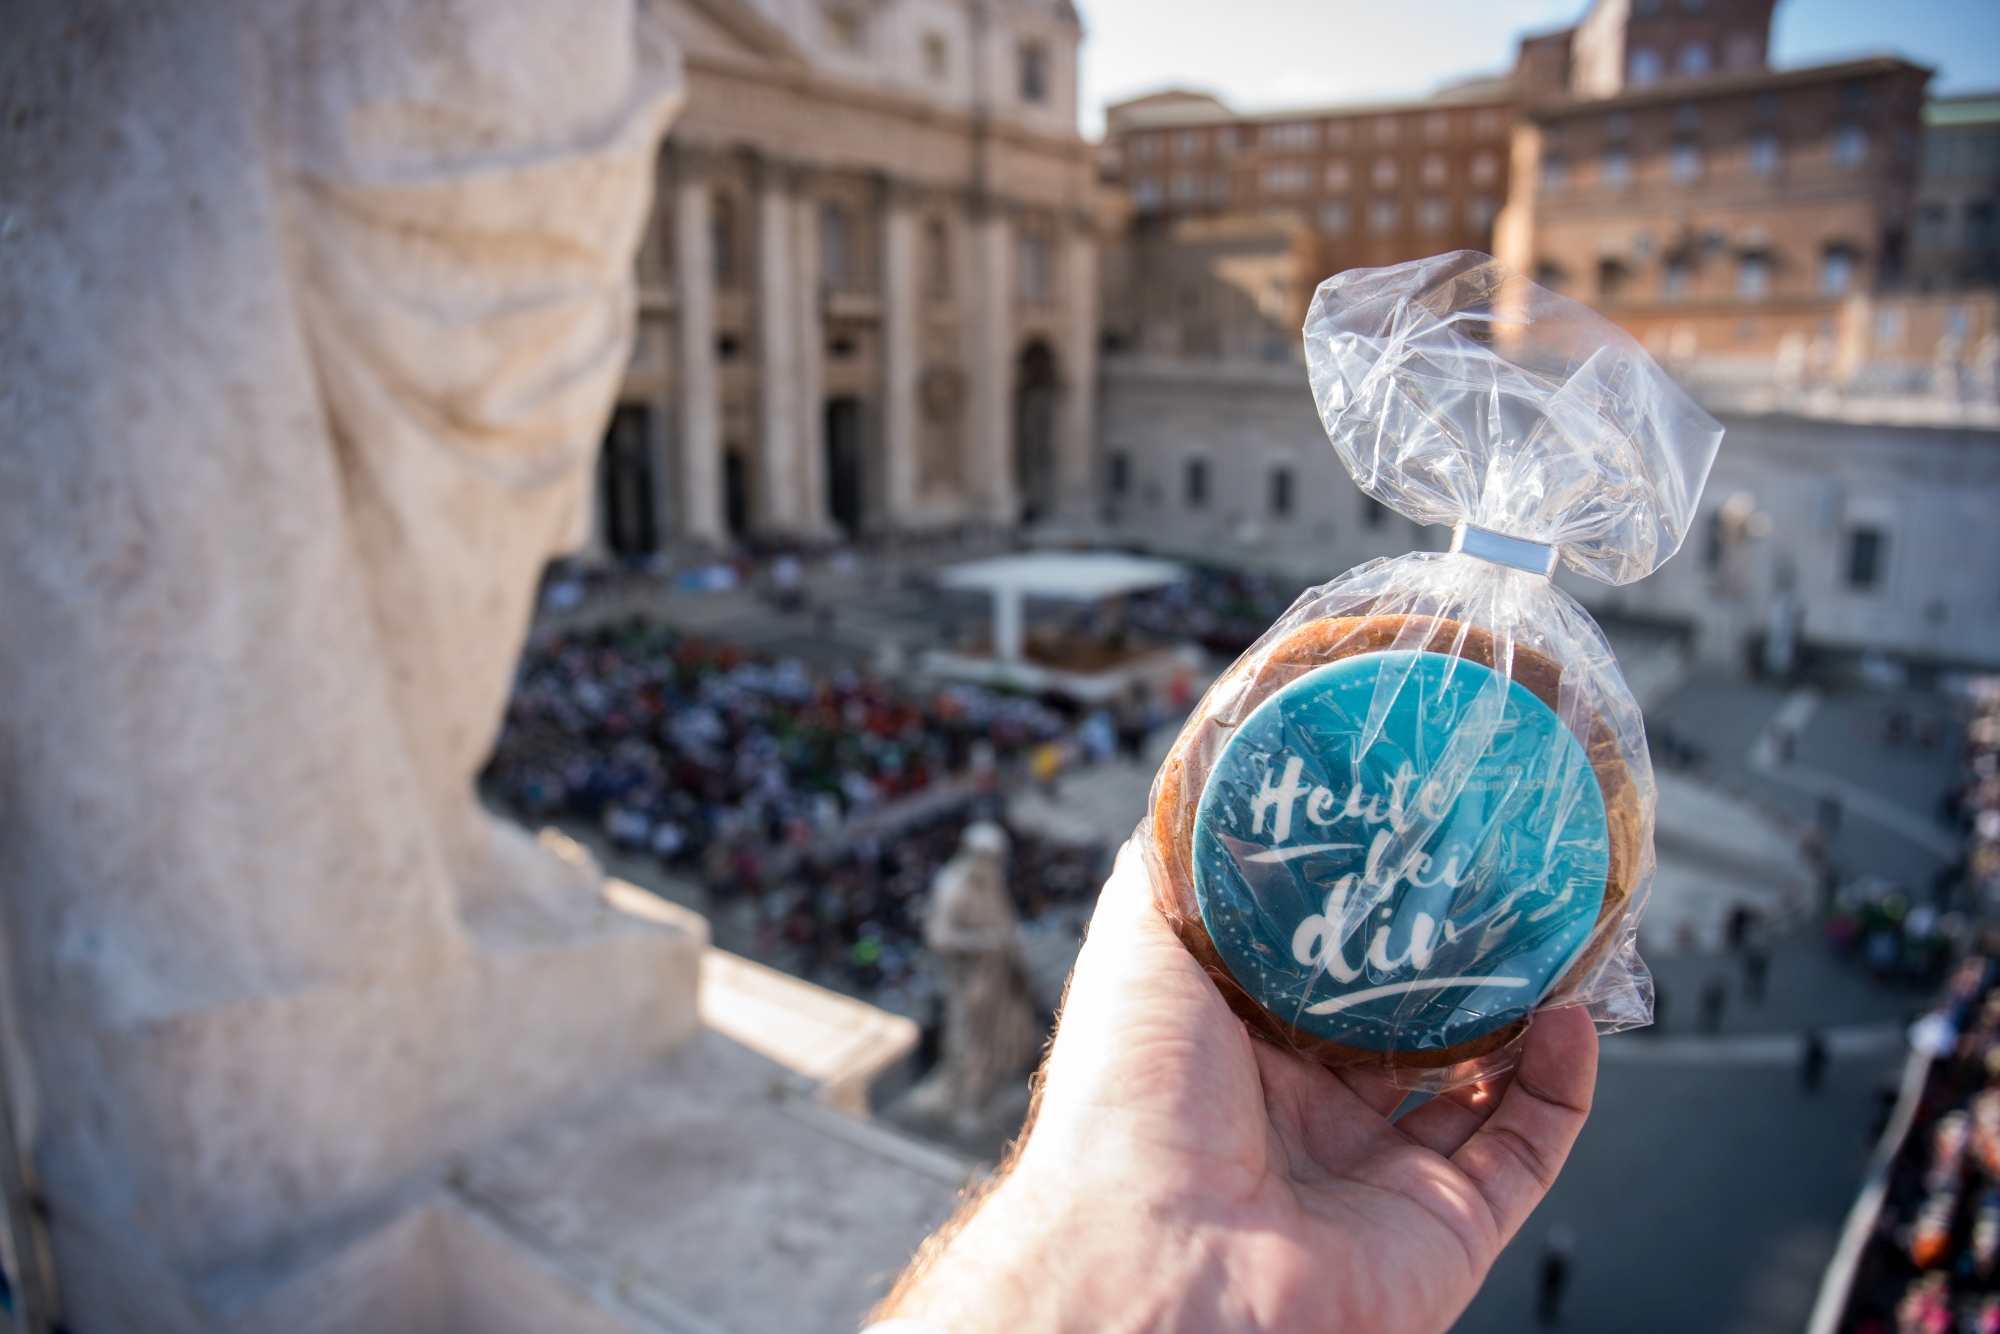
point(310, 320)
point(990, 1028)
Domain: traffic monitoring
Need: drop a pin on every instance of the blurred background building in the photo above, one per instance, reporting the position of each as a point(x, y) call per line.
point(1810, 251)
point(868, 299)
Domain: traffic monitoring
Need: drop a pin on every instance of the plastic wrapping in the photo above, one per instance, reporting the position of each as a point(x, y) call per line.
point(1421, 806)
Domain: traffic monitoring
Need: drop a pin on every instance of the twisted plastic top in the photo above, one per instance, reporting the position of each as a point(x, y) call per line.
point(1457, 391)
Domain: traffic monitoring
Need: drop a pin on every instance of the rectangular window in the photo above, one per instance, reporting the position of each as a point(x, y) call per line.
point(1679, 278)
point(1431, 215)
point(1684, 165)
point(1978, 225)
point(937, 259)
point(1189, 143)
point(1479, 212)
point(1617, 169)
point(1552, 175)
point(1289, 178)
point(1338, 177)
point(1485, 168)
point(1435, 170)
point(1764, 155)
point(1146, 194)
point(1850, 146)
point(1034, 267)
point(1219, 188)
point(1384, 175)
point(836, 246)
point(1382, 215)
point(1197, 483)
point(1034, 72)
point(1335, 217)
point(1753, 276)
point(722, 241)
point(1281, 493)
point(1865, 552)
point(1187, 187)
point(1931, 227)
point(1836, 272)
point(1291, 136)
point(1695, 60)
point(1643, 67)
point(1121, 474)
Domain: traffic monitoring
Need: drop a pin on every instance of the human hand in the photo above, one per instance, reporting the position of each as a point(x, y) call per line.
point(1180, 1175)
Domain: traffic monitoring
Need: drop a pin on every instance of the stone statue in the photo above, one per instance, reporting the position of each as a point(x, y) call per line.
point(990, 1028)
point(313, 316)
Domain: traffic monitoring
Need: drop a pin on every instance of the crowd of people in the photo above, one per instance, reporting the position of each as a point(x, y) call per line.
point(778, 786)
point(854, 922)
point(683, 747)
point(1223, 610)
point(1932, 1264)
point(765, 780)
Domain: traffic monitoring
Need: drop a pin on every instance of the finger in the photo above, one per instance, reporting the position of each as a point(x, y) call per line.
point(1126, 908)
point(1514, 1157)
point(1443, 1124)
point(1146, 1050)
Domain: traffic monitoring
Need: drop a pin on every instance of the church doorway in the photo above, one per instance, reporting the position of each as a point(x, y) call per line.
point(843, 464)
point(1035, 389)
point(736, 491)
point(625, 484)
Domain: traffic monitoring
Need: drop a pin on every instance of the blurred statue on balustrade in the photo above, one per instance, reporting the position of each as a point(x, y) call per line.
point(991, 1032)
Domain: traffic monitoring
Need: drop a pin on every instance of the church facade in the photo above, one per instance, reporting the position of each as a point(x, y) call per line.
point(868, 294)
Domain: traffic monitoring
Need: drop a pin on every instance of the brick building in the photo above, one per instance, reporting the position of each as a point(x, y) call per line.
point(1710, 204)
point(1956, 240)
point(1346, 187)
point(1794, 244)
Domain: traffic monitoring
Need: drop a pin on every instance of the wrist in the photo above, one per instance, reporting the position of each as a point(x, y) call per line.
point(1048, 1256)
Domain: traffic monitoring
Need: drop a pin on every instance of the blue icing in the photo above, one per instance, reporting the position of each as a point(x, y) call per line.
point(1400, 851)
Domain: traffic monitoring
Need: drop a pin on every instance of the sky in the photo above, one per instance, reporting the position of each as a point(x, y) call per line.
point(1267, 54)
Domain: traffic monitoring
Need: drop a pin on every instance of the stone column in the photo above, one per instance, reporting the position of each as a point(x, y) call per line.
point(809, 306)
point(899, 354)
point(701, 403)
point(989, 435)
point(1076, 443)
point(779, 333)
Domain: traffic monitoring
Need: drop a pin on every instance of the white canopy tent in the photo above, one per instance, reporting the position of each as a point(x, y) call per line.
point(1070, 576)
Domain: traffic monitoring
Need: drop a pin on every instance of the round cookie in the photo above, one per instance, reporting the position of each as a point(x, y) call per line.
point(1338, 935)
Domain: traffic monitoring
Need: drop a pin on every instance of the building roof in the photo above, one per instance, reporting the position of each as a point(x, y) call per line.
point(1177, 107)
point(1074, 576)
point(1723, 85)
point(1970, 109)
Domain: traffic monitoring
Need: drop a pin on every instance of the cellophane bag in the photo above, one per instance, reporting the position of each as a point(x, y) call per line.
point(1420, 807)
